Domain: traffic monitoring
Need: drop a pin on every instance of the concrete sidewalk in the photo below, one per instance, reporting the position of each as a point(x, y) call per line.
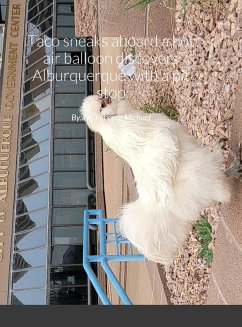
point(226, 282)
point(141, 280)
point(107, 18)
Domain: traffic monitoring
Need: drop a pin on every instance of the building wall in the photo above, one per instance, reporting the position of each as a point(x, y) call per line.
point(11, 87)
point(55, 163)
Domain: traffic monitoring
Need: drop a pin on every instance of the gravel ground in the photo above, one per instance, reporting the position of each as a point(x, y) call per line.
point(198, 75)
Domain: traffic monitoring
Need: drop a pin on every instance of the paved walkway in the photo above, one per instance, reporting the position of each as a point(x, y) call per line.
point(115, 20)
point(226, 281)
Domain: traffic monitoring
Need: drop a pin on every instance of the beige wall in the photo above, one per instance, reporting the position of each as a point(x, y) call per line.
point(9, 117)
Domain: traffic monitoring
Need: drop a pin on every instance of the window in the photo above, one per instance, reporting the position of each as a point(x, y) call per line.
point(66, 255)
point(35, 137)
point(32, 185)
point(67, 114)
point(34, 153)
point(70, 180)
point(65, 20)
point(71, 197)
point(70, 69)
point(66, 235)
point(38, 10)
point(37, 94)
point(29, 259)
point(70, 86)
point(72, 146)
point(40, 18)
point(65, 9)
point(33, 3)
point(31, 73)
point(71, 58)
point(32, 203)
point(38, 56)
point(69, 296)
point(30, 240)
point(70, 130)
point(68, 276)
point(31, 220)
point(29, 297)
point(36, 108)
point(70, 162)
point(35, 168)
point(67, 216)
point(35, 123)
point(33, 43)
point(69, 100)
point(65, 32)
point(33, 278)
point(72, 45)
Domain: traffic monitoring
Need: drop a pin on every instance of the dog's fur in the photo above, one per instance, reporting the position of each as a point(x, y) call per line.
point(176, 178)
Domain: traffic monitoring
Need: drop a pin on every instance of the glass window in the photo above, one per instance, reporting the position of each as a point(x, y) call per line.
point(70, 180)
point(66, 255)
point(35, 137)
point(30, 240)
point(30, 259)
point(67, 216)
point(71, 197)
point(37, 31)
point(36, 122)
point(67, 235)
point(33, 3)
point(35, 81)
point(65, 20)
point(65, 32)
point(68, 276)
point(70, 130)
point(71, 58)
point(35, 168)
point(32, 203)
point(72, 146)
point(29, 297)
point(37, 94)
point(38, 10)
point(71, 45)
point(69, 296)
point(34, 71)
point(65, 8)
point(40, 150)
point(67, 114)
point(70, 86)
point(31, 220)
point(36, 108)
point(32, 185)
point(70, 162)
point(33, 278)
point(70, 69)
point(69, 100)
point(38, 56)
point(40, 18)
point(34, 41)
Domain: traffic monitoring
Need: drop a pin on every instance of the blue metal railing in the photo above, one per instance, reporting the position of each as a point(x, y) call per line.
point(103, 258)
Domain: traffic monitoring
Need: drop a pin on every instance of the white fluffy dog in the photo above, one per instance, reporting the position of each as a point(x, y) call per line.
point(176, 178)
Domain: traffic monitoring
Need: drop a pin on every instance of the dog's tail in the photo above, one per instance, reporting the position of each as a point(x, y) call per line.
point(156, 233)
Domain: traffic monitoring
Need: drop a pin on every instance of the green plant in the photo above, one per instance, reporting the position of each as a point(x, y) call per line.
point(129, 4)
point(204, 233)
point(133, 53)
point(171, 112)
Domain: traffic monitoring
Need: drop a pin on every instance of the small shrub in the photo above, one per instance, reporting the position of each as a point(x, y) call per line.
point(171, 112)
point(204, 233)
